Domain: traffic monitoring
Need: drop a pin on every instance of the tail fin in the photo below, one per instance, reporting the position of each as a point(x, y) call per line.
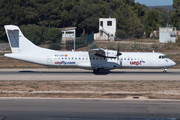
point(17, 41)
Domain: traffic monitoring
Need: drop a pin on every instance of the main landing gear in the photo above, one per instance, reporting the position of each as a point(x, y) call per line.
point(164, 70)
point(95, 71)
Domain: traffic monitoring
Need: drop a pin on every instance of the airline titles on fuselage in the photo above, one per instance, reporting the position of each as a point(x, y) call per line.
point(136, 62)
point(72, 60)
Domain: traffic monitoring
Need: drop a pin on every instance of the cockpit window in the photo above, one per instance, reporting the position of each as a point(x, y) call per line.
point(162, 57)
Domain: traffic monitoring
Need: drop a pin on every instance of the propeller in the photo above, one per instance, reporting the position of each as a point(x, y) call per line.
point(118, 53)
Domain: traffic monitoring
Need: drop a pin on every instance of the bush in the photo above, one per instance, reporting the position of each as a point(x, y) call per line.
point(54, 35)
point(178, 41)
point(120, 34)
point(92, 46)
point(111, 46)
point(34, 33)
point(134, 46)
point(155, 46)
point(169, 45)
point(55, 46)
point(39, 34)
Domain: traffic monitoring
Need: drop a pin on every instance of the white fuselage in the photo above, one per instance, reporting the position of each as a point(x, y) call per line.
point(131, 60)
point(95, 59)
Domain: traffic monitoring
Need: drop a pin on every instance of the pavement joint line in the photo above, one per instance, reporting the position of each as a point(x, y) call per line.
point(95, 92)
point(88, 99)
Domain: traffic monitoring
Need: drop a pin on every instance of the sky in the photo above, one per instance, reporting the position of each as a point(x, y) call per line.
point(155, 2)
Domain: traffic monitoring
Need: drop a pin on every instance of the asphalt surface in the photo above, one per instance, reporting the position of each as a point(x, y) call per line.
point(91, 109)
point(79, 74)
point(87, 109)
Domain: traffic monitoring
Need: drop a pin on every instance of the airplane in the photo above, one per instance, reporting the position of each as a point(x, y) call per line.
point(95, 59)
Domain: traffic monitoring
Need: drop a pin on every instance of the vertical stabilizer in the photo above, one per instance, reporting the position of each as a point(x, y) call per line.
point(17, 41)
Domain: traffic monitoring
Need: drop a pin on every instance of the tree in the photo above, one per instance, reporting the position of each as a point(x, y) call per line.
point(176, 4)
point(128, 21)
point(153, 22)
point(175, 17)
point(40, 34)
point(85, 17)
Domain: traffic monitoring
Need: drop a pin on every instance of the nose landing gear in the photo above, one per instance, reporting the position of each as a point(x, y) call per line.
point(164, 70)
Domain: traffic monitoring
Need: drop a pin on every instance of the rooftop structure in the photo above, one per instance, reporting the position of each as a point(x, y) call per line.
point(167, 34)
point(107, 29)
point(68, 33)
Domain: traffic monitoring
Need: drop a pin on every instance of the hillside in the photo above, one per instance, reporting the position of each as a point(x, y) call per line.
point(168, 7)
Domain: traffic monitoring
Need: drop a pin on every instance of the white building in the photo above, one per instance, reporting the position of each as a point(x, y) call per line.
point(68, 33)
point(167, 34)
point(107, 29)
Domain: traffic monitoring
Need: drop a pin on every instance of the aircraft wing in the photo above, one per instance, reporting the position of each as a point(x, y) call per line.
point(102, 53)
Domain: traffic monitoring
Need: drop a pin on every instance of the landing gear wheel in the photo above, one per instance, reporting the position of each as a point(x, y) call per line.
point(165, 71)
point(95, 71)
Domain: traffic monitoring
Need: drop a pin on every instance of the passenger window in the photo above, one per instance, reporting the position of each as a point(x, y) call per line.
point(61, 58)
point(65, 58)
point(124, 58)
point(79, 58)
point(72, 58)
point(128, 58)
point(121, 58)
point(69, 58)
point(134, 58)
point(86, 58)
point(100, 58)
point(82, 58)
point(131, 58)
point(76, 58)
point(97, 58)
point(93, 58)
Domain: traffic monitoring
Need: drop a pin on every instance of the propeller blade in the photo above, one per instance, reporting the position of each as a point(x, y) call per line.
point(118, 53)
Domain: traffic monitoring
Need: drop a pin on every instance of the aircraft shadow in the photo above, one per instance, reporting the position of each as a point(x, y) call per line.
point(66, 72)
point(100, 73)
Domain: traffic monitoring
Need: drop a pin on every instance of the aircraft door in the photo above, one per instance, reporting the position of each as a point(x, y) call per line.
point(49, 60)
point(120, 61)
point(150, 59)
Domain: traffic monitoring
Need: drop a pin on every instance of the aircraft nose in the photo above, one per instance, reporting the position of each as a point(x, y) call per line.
point(173, 63)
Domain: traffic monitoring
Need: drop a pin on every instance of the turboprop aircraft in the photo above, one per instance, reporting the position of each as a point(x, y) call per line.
point(95, 59)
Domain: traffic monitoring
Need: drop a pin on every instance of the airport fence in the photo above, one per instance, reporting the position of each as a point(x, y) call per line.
point(80, 42)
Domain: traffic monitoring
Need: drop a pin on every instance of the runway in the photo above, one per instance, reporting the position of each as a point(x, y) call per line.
point(87, 109)
point(79, 74)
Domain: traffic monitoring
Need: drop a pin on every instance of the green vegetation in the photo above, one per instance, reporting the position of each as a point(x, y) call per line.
point(92, 46)
point(120, 34)
point(175, 17)
point(43, 16)
point(55, 46)
point(40, 34)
